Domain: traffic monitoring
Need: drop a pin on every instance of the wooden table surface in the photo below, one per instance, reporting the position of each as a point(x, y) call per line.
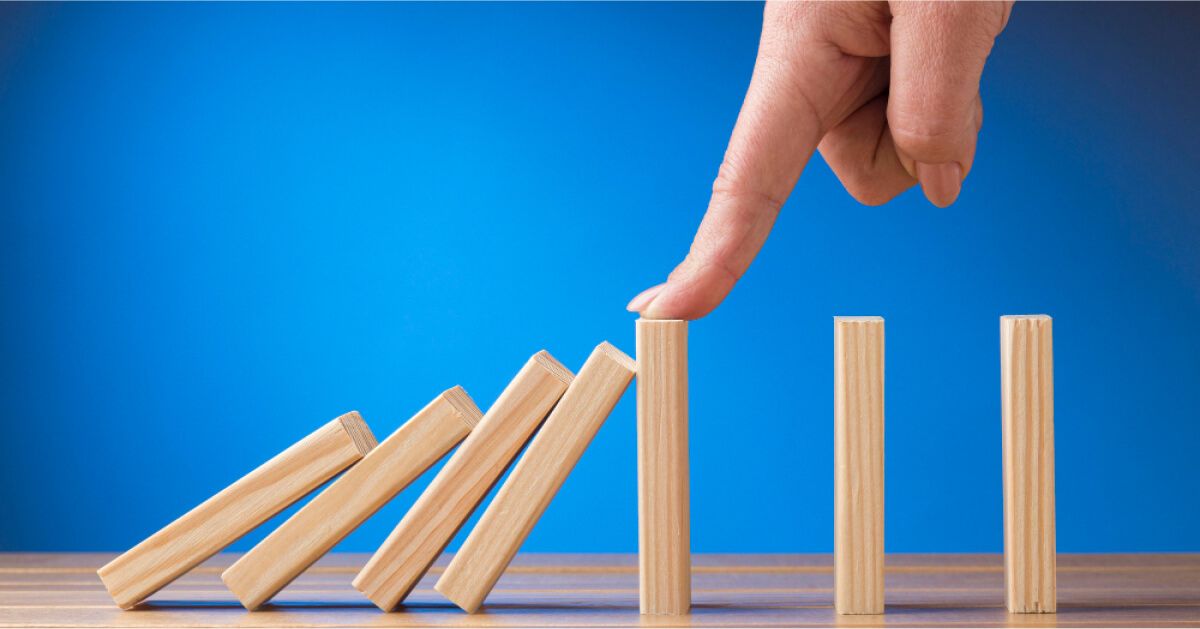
point(62, 590)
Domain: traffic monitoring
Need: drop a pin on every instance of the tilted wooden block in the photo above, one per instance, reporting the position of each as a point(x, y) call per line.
point(457, 490)
point(858, 464)
point(222, 519)
point(664, 539)
point(539, 474)
point(1027, 400)
point(330, 516)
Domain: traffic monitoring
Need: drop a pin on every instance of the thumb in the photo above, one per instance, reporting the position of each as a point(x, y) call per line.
point(934, 110)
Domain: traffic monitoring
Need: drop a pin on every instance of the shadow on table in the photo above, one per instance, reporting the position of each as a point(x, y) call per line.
point(547, 613)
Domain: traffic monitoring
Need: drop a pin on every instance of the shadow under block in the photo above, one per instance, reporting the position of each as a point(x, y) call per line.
point(537, 477)
point(425, 531)
point(237, 509)
point(334, 513)
point(664, 540)
point(1027, 405)
point(858, 346)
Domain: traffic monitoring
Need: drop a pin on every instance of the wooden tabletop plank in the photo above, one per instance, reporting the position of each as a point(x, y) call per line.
point(62, 590)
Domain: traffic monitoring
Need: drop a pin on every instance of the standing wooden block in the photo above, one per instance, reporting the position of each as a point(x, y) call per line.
point(664, 540)
point(1027, 400)
point(457, 490)
point(539, 474)
point(222, 519)
point(329, 517)
point(858, 465)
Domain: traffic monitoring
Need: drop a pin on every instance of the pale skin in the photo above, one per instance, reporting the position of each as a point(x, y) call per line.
point(887, 92)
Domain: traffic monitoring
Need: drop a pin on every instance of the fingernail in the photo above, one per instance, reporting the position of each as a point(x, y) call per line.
point(644, 298)
point(941, 182)
point(653, 310)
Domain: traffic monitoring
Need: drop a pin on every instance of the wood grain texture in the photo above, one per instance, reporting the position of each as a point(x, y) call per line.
point(537, 477)
point(664, 534)
point(942, 590)
point(1027, 401)
point(230, 514)
point(457, 490)
point(858, 358)
point(334, 513)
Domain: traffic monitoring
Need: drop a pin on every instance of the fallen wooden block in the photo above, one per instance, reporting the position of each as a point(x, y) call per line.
point(222, 519)
point(1027, 405)
point(858, 465)
point(539, 474)
point(457, 490)
point(330, 516)
point(664, 541)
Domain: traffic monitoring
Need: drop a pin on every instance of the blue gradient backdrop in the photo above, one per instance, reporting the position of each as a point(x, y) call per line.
point(225, 224)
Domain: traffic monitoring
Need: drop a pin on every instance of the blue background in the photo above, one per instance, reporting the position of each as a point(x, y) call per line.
point(225, 224)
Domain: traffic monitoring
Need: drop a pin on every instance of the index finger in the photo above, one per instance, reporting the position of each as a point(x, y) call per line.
point(776, 133)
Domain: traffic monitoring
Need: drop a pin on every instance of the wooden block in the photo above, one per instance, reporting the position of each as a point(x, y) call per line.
point(1027, 401)
point(539, 474)
point(329, 517)
point(222, 519)
point(457, 490)
point(664, 540)
point(858, 465)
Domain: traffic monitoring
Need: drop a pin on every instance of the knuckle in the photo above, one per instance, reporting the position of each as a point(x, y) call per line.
point(928, 136)
point(867, 191)
point(793, 17)
point(731, 185)
point(874, 199)
point(866, 180)
point(987, 18)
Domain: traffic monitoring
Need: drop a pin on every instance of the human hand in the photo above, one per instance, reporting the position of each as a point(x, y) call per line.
point(889, 93)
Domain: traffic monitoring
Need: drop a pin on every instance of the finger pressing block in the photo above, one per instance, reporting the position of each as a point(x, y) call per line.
point(222, 519)
point(329, 517)
point(539, 474)
point(456, 491)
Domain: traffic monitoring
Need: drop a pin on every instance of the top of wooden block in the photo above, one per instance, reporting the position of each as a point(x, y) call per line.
point(359, 432)
point(617, 355)
point(662, 321)
point(458, 398)
point(555, 368)
point(868, 319)
point(1027, 317)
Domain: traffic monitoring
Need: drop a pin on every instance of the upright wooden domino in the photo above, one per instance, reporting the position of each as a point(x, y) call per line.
point(329, 517)
point(858, 465)
point(225, 517)
point(664, 540)
point(423, 533)
point(539, 474)
point(1027, 401)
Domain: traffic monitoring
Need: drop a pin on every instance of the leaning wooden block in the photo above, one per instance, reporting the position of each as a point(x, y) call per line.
point(539, 474)
point(222, 519)
point(461, 485)
point(1027, 401)
point(664, 542)
point(858, 465)
point(329, 517)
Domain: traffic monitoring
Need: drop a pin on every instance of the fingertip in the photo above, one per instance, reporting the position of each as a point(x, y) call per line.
point(637, 304)
point(941, 183)
point(681, 301)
